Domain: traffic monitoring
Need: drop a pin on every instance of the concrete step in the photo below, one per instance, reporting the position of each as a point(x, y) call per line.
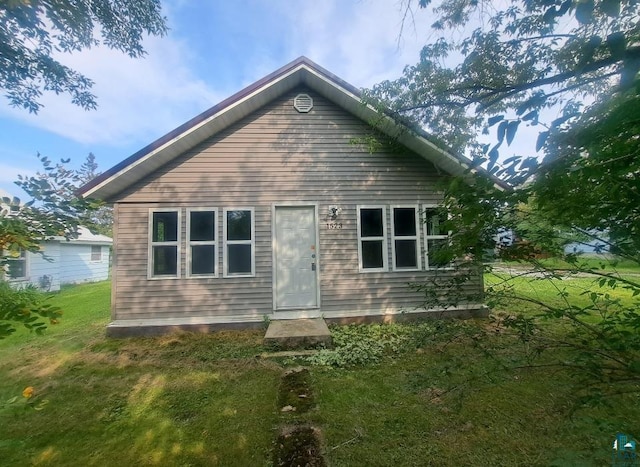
point(297, 333)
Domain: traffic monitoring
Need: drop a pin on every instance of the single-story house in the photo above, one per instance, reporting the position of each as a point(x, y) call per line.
point(270, 206)
point(61, 261)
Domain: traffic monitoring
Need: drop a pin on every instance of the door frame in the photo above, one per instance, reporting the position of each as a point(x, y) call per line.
point(302, 312)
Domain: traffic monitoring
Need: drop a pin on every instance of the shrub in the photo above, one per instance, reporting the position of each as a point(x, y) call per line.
point(26, 306)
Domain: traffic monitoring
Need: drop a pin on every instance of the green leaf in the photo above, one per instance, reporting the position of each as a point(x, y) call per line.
point(495, 119)
point(610, 7)
point(512, 128)
point(542, 139)
point(493, 156)
point(584, 11)
point(502, 129)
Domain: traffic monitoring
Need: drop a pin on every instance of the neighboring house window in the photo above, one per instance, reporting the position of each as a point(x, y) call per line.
point(405, 241)
point(435, 237)
point(201, 242)
point(96, 253)
point(164, 245)
point(372, 238)
point(239, 237)
point(16, 265)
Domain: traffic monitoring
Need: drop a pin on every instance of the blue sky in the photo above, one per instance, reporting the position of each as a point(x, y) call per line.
point(213, 49)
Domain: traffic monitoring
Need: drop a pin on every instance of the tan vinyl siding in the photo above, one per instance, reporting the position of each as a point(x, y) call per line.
point(276, 155)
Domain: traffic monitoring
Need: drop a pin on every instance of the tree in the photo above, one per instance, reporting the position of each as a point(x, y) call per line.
point(33, 31)
point(100, 219)
point(517, 62)
point(569, 68)
point(54, 208)
point(53, 211)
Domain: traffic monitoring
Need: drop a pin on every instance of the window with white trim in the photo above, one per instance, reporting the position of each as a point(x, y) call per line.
point(96, 253)
point(405, 238)
point(239, 238)
point(435, 238)
point(16, 265)
point(372, 238)
point(202, 242)
point(164, 243)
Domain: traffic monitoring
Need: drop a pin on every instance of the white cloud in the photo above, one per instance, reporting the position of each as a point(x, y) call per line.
point(141, 99)
point(358, 41)
point(138, 99)
point(9, 173)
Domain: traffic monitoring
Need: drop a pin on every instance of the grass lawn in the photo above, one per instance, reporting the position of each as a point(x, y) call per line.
point(438, 399)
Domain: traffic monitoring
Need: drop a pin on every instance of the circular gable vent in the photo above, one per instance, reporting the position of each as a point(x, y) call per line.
point(303, 103)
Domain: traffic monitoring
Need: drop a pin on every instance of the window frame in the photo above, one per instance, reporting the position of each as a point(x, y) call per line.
point(99, 251)
point(190, 243)
point(416, 237)
point(226, 243)
point(427, 237)
point(175, 243)
point(384, 238)
point(24, 257)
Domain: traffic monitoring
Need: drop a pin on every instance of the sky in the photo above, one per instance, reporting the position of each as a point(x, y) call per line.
point(213, 49)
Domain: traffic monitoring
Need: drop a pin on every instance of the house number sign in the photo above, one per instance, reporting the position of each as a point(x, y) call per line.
point(334, 225)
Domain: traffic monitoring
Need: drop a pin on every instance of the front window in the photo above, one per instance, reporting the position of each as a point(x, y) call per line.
point(16, 265)
point(201, 238)
point(372, 238)
point(239, 253)
point(405, 239)
point(96, 253)
point(436, 238)
point(164, 249)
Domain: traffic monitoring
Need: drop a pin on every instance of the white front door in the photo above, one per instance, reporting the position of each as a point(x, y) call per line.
point(296, 280)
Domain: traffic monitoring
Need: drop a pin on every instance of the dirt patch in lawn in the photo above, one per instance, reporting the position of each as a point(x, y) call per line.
point(295, 393)
point(298, 443)
point(298, 446)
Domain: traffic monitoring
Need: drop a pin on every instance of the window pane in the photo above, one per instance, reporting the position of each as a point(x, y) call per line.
point(203, 226)
point(17, 268)
point(165, 227)
point(203, 259)
point(96, 253)
point(406, 255)
point(165, 260)
point(404, 222)
point(371, 222)
point(372, 254)
point(238, 225)
point(438, 254)
point(239, 259)
point(435, 220)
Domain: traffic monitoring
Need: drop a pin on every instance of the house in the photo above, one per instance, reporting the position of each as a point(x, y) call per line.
point(61, 261)
point(269, 206)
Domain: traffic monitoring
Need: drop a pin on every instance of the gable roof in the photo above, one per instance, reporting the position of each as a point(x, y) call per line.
point(301, 71)
point(85, 236)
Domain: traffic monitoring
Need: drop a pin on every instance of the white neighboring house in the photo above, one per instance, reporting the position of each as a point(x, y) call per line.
point(61, 261)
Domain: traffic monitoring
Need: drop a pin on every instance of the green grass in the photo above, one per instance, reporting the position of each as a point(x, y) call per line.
point(176, 400)
point(553, 291)
point(597, 262)
point(437, 395)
